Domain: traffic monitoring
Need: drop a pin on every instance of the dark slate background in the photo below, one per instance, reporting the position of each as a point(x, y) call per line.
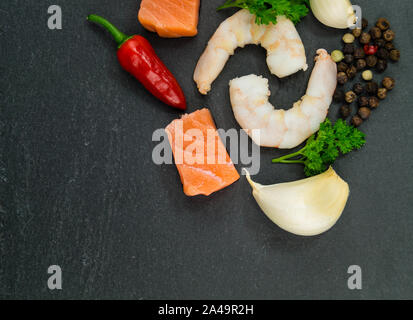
point(79, 188)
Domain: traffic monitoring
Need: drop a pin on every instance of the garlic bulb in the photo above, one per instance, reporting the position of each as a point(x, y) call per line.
point(306, 207)
point(334, 13)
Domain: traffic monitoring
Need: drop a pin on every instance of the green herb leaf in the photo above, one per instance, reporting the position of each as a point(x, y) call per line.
point(266, 11)
point(323, 148)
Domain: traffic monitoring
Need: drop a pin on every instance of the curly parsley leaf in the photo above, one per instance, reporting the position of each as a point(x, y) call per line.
point(266, 11)
point(324, 147)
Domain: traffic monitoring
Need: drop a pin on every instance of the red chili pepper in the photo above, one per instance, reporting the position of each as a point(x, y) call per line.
point(370, 49)
point(137, 56)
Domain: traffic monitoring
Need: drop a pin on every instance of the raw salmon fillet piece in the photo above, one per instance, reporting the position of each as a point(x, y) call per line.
point(200, 156)
point(170, 18)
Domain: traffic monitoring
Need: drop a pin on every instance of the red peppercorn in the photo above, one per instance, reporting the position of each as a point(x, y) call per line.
point(370, 49)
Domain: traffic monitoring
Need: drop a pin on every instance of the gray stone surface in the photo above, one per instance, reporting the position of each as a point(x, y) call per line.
point(79, 189)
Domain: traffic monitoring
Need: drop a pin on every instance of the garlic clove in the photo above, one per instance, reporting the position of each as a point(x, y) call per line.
point(334, 13)
point(305, 207)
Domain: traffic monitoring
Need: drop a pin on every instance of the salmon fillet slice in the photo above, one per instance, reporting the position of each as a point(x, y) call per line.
point(170, 18)
point(200, 156)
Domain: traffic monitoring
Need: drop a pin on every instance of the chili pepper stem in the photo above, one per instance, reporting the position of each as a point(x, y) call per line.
point(119, 36)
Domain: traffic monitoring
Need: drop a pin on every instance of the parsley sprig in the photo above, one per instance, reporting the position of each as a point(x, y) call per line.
point(266, 11)
point(324, 147)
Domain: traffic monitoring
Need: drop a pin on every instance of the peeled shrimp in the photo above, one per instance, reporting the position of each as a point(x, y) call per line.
point(279, 128)
point(285, 51)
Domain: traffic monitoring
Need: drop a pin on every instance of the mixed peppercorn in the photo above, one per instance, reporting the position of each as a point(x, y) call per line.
point(364, 51)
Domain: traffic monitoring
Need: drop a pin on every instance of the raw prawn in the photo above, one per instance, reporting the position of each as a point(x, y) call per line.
point(279, 128)
point(285, 50)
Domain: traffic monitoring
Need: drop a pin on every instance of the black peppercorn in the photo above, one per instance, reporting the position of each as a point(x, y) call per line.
point(363, 101)
point(372, 87)
point(375, 33)
point(374, 102)
point(389, 35)
point(364, 23)
point(342, 78)
point(382, 93)
point(380, 43)
point(383, 24)
point(365, 38)
point(356, 32)
point(389, 46)
point(358, 88)
point(361, 64)
point(348, 48)
point(388, 83)
point(381, 65)
point(382, 53)
point(351, 72)
point(342, 67)
point(349, 58)
point(359, 53)
point(364, 113)
point(395, 55)
point(350, 97)
point(356, 121)
point(338, 95)
point(345, 111)
point(371, 61)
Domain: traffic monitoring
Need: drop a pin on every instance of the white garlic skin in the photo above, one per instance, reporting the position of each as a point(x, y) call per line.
point(334, 13)
point(306, 207)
